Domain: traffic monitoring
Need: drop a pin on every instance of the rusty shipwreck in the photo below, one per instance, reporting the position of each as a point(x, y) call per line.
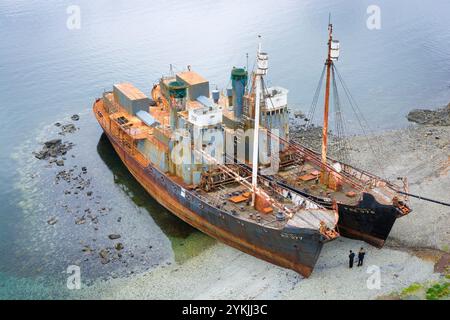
point(179, 146)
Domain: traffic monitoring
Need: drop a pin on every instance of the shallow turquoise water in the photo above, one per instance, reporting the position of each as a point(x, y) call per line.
point(48, 72)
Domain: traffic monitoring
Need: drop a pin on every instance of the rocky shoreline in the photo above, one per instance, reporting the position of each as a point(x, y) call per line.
point(438, 117)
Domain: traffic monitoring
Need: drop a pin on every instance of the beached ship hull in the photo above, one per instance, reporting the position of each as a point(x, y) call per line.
point(369, 220)
point(291, 247)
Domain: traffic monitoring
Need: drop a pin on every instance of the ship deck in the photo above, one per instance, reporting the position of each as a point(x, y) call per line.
point(306, 178)
point(236, 199)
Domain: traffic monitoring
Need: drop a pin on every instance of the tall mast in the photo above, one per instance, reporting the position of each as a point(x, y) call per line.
point(328, 64)
point(262, 64)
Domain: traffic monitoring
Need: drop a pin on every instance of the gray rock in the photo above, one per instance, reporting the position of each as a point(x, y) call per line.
point(52, 221)
point(86, 249)
point(114, 236)
point(53, 143)
point(104, 256)
point(68, 128)
point(438, 117)
point(52, 149)
point(80, 221)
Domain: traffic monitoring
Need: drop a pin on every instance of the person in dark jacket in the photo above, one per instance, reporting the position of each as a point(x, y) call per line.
point(351, 257)
point(361, 254)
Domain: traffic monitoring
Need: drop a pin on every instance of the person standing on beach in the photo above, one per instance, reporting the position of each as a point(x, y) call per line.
point(361, 254)
point(351, 257)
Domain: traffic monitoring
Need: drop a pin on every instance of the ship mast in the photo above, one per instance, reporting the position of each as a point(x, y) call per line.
point(328, 63)
point(262, 64)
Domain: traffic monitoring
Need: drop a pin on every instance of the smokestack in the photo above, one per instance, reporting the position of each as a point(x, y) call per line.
point(216, 95)
point(177, 94)
point(238, 83)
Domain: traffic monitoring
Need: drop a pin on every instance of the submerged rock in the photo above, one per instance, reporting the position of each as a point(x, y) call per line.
point(53, 149)
point(52, 221)
point(87, 249)
point(53, 143)
point(68, 128)
point(75, 117)
point(80, 221)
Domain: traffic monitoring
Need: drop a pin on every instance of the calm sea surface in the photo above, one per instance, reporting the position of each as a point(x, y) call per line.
point(49, 72)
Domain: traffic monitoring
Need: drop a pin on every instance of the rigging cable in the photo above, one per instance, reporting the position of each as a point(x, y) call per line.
point(312, 109)
point(341, 142)
point(362, 121)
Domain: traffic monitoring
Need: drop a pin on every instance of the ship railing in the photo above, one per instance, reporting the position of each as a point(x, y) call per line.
point(360, 179)
point(313, 157)
point(370, 179)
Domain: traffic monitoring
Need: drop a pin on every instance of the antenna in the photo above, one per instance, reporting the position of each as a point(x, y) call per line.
point(246, 56)
point(259, 43)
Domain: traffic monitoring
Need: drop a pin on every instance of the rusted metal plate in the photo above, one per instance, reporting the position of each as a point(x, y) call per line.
point(307, 177)
point(238, 199)
point(267, 210)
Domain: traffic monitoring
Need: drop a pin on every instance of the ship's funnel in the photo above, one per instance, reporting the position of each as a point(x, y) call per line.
point(177, 94)
point(238, 83)
point(216, 95)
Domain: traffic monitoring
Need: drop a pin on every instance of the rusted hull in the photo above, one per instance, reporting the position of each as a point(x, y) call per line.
point(368, 221)
point(294, 248)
